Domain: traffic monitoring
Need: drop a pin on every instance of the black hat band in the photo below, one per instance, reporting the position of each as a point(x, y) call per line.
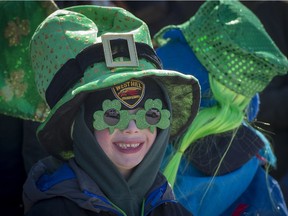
point(73, 70)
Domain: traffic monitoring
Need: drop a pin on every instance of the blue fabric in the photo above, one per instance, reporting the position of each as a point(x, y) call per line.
point(156, 195)
point(253, 108)
point(284, 186)
point(204, 195)
point(262, 197)
point(266, 152)
point(46, 181)
point(249, 185)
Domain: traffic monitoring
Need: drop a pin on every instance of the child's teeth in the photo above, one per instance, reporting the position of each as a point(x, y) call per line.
point(124, 146)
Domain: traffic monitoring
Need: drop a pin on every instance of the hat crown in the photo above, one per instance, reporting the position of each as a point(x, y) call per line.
point(65, 33)
point(234, 46)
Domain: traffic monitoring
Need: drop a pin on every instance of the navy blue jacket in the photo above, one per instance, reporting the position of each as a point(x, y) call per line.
point(68, 190)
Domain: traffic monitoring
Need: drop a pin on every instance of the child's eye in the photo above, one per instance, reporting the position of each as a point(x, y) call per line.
point(111, 117)
point(153, 116)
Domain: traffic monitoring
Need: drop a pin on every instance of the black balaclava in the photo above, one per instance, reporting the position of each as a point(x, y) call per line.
point(126, 194)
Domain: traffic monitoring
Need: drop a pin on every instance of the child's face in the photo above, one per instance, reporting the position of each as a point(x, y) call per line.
point(126, 148)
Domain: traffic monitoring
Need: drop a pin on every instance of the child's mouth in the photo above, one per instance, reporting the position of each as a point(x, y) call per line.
point(128, 147)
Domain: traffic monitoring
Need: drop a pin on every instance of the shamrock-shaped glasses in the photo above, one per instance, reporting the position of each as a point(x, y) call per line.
point(112, 116)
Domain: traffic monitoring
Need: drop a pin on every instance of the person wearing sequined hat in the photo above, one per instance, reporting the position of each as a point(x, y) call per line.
point(216, 169)
point(113, 111)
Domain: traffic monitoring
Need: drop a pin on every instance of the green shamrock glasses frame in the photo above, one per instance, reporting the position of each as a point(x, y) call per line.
point(112, 116)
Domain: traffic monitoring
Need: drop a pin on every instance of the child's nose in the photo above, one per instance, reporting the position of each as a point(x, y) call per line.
point(132, 127)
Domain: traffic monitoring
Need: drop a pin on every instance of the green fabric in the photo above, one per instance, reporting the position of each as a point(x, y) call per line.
point(66, 33)
point(126, 195)
point(18, 92)
point(232, 44)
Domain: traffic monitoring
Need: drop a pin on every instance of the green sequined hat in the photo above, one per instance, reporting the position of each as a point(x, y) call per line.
point(232, 44)
point(18, 92)
point(83, 49)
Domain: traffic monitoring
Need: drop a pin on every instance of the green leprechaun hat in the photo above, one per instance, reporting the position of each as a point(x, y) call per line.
point(232, 44)
point(18, 92)
point(87, 48)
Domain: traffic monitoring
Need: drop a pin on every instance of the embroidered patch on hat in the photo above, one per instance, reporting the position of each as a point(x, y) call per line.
point(129, 93)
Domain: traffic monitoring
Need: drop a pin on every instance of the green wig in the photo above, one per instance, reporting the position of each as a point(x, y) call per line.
point(226, 115)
